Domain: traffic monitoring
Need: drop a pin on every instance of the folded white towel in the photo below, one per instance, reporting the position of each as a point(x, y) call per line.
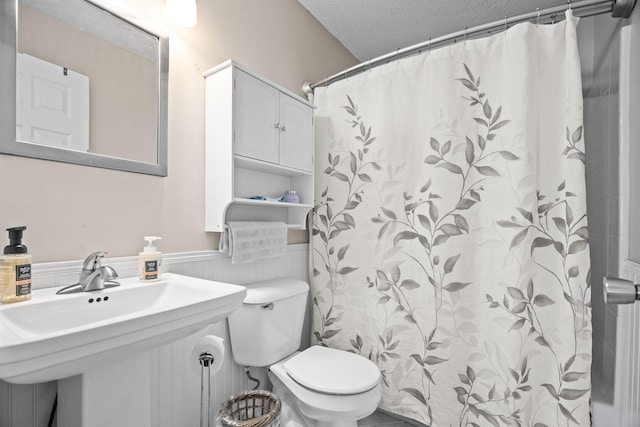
point(247, 241)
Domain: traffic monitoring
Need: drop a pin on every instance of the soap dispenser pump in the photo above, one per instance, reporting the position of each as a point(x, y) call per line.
point(150, 260)
point(15, 269)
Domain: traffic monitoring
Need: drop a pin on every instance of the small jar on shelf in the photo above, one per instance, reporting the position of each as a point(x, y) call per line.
point(290, 196)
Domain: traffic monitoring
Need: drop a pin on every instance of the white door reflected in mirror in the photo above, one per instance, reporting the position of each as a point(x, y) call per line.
point(52, 104)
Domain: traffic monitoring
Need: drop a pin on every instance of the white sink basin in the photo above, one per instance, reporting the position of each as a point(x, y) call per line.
point(54, 336)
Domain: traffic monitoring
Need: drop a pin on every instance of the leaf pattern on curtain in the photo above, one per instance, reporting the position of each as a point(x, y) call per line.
point(450, 241)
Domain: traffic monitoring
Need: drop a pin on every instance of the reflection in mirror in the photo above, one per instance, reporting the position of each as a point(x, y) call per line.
point(90, 87)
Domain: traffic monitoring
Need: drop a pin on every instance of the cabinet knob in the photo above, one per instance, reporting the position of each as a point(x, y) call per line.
point(283, 128)
point(277, 126)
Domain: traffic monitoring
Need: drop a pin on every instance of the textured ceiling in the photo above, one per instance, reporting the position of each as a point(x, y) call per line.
point(370, 28)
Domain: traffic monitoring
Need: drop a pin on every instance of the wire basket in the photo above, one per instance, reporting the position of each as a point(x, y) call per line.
point(253, 408)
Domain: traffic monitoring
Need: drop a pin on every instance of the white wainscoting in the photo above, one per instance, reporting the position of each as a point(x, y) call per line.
point(175, 387)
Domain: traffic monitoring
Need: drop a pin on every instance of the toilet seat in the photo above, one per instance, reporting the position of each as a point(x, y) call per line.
point(322, 406)
point(330, 371)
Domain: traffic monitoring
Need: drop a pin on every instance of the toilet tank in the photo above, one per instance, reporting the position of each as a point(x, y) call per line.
point(268, 326)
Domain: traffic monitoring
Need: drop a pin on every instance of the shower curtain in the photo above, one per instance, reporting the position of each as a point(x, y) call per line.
point(450, 232)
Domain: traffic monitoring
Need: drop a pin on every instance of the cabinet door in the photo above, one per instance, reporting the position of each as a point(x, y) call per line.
point(256, 123)
point(296, 138)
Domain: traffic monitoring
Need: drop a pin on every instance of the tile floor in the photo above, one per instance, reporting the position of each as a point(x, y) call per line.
point(379, 419)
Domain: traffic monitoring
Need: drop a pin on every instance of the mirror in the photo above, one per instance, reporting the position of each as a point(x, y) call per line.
point(80, 84)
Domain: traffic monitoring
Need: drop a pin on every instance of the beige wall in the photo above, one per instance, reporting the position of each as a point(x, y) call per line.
point(72, 210)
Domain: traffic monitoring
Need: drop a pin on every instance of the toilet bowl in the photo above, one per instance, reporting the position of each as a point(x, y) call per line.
point(319, 386)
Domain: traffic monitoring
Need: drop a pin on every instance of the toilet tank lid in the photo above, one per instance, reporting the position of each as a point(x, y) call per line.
point(274, 290)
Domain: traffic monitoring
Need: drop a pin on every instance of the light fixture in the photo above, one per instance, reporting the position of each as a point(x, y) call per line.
point(182, 12)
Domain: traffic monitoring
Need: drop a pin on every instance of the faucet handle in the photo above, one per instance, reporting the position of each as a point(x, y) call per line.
point(93, 261)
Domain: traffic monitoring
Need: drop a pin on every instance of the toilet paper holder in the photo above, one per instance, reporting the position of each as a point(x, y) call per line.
point(209, 353)
point(206, 360)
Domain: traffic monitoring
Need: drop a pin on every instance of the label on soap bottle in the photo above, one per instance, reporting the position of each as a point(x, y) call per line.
point(23, 279)
point(150, 269)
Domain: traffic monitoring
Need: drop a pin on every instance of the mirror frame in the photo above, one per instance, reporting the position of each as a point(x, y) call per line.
point(8, 143)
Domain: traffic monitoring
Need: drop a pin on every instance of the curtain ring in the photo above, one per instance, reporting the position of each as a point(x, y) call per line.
point(505, 23)
point(429, 46)
point(538, 16)
point(465, 33)
point(569, 2)
point(398, 54)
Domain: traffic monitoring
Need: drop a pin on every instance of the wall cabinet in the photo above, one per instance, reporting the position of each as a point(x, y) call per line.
point(258, 142)
point(270, 125)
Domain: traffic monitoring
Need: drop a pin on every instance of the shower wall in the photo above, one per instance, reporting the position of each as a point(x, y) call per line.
point(600, 39)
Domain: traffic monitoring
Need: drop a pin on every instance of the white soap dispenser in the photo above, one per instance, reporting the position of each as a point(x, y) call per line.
point(150, 260)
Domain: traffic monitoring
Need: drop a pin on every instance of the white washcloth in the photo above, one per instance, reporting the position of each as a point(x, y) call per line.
point(247, 241)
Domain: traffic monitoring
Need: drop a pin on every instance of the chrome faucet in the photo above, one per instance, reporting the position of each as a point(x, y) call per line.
point(94, 276)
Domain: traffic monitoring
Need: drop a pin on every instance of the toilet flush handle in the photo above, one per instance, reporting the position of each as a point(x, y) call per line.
point(620, 291)
point(261, 306)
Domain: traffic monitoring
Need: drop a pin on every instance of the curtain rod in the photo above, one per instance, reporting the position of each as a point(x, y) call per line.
point(583, 8)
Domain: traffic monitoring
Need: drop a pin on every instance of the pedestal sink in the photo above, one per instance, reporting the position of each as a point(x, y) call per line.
point(97, 343)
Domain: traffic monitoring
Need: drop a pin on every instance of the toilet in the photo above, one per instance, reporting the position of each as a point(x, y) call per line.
point(318, 387)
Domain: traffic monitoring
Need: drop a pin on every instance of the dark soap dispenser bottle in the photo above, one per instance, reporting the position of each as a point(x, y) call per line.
point(15, 269)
